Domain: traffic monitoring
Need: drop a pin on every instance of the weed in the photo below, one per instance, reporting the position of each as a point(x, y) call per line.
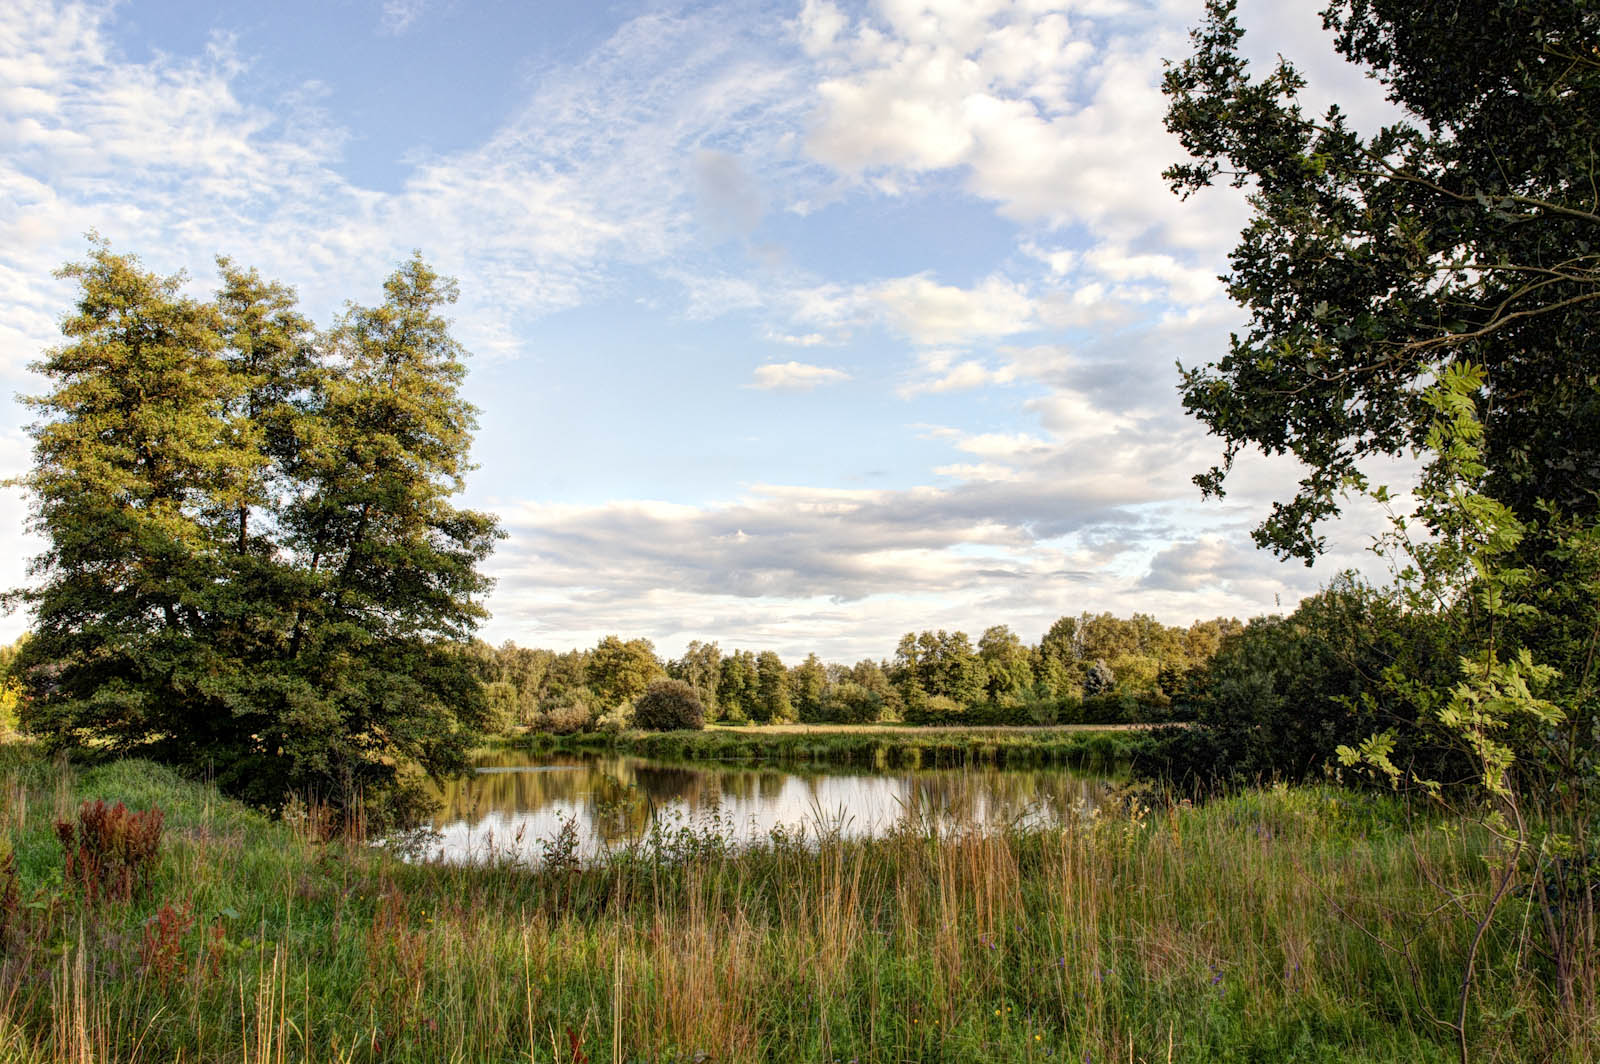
point(161, 953)
point(111, 851)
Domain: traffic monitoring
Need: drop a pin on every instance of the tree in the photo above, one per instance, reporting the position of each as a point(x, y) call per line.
point(252, 563)
point(701, 668)
point(1007, 665)
point(808, 687)
point(1467, 232)
point(736, 689)
point(620, 671)
point(772, 689)
point(1099, 680)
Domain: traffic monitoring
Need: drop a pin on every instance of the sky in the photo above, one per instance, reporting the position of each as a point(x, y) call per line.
point(795, 325)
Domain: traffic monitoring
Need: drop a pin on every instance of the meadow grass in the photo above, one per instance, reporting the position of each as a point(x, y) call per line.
point(1280, 925)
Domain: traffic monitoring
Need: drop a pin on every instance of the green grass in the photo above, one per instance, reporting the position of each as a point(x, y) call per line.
point(1206, 934)
point(877, 747)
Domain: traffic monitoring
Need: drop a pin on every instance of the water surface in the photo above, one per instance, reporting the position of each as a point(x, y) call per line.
point(514, 801)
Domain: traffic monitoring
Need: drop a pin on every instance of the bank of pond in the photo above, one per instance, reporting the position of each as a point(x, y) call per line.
point(882, 748)
point(1262, 926)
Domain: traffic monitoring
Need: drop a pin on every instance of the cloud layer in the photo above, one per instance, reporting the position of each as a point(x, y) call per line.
point(709, 170)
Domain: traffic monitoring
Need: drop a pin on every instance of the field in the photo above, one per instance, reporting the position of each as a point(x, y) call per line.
point(1264, 927)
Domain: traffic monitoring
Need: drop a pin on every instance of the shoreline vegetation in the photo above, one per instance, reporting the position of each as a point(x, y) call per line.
point(1225, 931)
point(879, 746)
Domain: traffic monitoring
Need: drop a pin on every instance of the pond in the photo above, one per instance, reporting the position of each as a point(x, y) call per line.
point(514, 801)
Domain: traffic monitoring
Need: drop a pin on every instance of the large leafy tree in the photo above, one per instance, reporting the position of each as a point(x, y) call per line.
point(1468, 231)
point(252, 562)
point(621, 670)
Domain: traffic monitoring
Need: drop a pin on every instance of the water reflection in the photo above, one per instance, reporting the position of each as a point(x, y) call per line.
point(514, 801)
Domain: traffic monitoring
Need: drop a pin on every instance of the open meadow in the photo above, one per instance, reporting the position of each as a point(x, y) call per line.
point(1283, 925)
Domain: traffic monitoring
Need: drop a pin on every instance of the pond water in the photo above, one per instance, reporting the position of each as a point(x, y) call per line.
point(515, 801)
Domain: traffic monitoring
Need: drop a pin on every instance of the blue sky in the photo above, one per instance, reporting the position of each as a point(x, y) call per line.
point(795, 325)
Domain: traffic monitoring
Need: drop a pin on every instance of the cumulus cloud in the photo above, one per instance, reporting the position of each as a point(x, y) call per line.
point(795, 376)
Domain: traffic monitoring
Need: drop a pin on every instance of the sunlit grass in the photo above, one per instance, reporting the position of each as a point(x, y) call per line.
point(1187, 935)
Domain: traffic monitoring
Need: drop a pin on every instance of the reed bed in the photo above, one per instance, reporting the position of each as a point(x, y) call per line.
point(1264, 927)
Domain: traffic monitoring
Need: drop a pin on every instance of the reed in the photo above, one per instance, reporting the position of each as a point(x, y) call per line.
point(1256, 927)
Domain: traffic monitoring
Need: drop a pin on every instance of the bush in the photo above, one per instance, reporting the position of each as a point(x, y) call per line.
point(669, 705)
point(1280, 696)
point(565, 720)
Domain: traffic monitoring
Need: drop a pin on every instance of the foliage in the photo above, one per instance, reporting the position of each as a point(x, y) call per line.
point(772, 689)
point(1099, 679)
point(251, 564)
point(669, 705)
point(1464, 232)
point(1494, 713)
point(851, 703)
point(566, 720)
point(808, 686)
point(620, 671)
point(737, 686)
point(701, 668)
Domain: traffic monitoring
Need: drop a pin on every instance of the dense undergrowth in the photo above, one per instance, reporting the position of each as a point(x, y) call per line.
point(1261, 927)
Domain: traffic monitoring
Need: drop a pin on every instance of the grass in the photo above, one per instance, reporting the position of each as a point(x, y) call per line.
point(878, 746)
point(1256, 928)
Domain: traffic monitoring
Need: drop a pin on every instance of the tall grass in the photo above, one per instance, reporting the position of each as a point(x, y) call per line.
point(1262, 928)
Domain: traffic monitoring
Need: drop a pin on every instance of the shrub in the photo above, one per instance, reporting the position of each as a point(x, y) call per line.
point(668, 705)
point(111, 851)
point(565, 720)
point(1043, 711)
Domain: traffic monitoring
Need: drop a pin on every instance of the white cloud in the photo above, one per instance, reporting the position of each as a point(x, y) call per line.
point(931, 313)
point(795, 376)
point(398, 15)
point(805, 340)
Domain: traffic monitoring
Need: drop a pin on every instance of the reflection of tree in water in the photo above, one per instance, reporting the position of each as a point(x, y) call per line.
point(998, 797)
point(616, 798)
point(617, 810)
point(665, 784)
point(478, 794)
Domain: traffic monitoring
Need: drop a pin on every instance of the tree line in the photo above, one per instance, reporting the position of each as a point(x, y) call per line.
point(1109, 667)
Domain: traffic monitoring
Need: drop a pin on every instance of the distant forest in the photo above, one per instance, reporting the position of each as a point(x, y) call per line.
point(1093, 667)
